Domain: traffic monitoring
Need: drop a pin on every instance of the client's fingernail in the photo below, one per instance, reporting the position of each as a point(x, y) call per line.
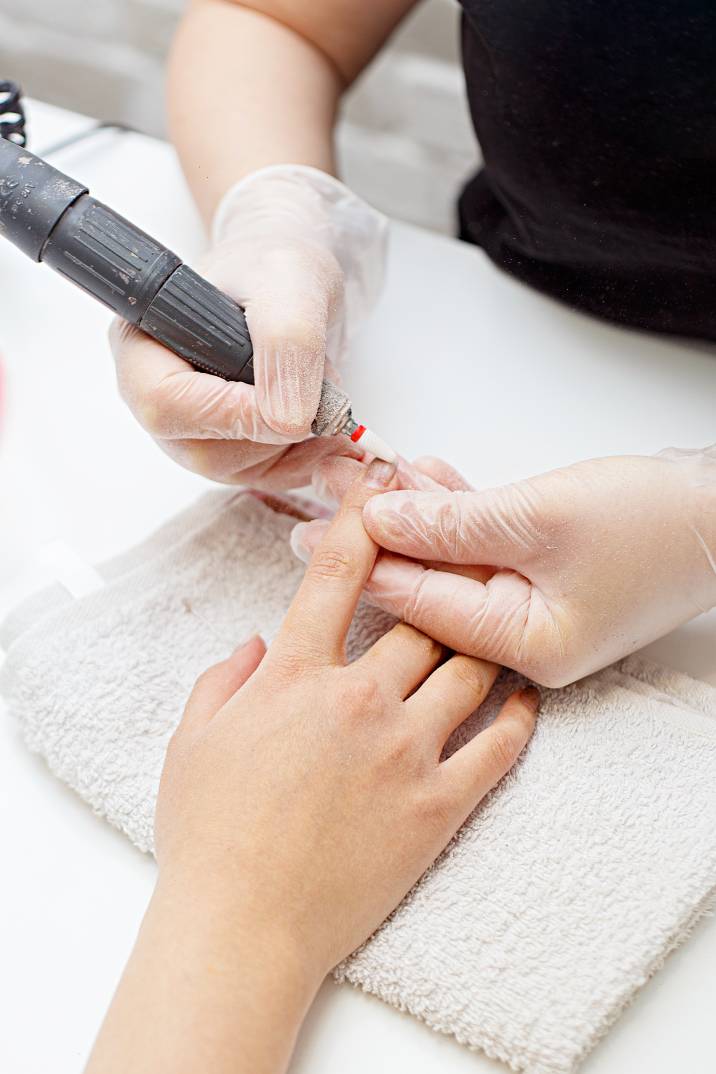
point(379, 474)
point(531, 697)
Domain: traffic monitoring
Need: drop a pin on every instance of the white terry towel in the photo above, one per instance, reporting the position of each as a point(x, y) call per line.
point(560, 896)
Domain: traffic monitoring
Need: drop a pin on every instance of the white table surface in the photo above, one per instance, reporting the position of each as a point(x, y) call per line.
point(523, 385)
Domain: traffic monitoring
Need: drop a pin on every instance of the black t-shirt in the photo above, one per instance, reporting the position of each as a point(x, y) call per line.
point(597, 123)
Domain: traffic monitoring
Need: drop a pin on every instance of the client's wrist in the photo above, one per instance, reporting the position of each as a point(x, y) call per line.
point(247, 946)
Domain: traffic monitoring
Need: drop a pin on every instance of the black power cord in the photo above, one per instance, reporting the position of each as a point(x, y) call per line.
point(13, 122)
point(12, 115)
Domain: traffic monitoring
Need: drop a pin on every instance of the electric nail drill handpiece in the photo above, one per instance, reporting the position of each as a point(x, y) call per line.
point(53, 219)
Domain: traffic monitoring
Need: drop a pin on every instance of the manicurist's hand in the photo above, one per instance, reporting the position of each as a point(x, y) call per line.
point(304, 256)
point(555, 576)
point(301, 799)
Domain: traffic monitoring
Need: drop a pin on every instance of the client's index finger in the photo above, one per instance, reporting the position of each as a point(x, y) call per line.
point(321, 612)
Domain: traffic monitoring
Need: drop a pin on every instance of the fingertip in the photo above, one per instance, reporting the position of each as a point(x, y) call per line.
point(294, 428)
point(218, 684)
point(338, 468)
point(334, 475)
point(305, 538)
point(380, 511)
point(243, 661)
point(377, 477)
point(289, 362)
point(442, 473)
point(379, 474)
point(253, 645)
point(298, 543)
point(523, 707)
point(429, 463)
point(411, 477)
point(531, 698)
point(287, 421)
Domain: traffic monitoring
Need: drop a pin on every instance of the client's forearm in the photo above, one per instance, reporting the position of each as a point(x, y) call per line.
point(205, 990)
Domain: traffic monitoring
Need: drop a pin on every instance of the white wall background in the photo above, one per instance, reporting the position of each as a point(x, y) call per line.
point(405, 140)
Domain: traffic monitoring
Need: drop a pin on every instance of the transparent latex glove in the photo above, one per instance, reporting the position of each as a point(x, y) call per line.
point(556, 576)
point(305, 258)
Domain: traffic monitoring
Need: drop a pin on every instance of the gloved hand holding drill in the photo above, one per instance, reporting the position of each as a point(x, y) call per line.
point(305, 257)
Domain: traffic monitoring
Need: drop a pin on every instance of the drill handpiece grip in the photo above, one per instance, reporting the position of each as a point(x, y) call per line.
point(52, 218)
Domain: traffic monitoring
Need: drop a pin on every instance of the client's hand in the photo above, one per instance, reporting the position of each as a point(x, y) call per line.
point(301, 799)
point(312, 789)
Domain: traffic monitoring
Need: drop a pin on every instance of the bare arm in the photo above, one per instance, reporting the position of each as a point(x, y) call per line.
point(258, 83)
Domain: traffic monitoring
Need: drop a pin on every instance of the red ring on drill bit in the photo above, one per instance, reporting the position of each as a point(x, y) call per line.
point(355, 437)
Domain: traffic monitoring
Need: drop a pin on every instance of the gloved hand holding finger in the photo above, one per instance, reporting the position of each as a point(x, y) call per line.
point(595, 560)
point(396, 583)
point(393, 576)
point(568, 594)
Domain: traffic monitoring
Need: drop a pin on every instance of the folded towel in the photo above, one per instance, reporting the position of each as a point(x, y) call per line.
point(560, 896)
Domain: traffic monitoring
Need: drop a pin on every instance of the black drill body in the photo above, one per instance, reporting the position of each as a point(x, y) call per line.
point(53, 219)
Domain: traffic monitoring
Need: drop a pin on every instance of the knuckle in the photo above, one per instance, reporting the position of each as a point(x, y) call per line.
point(412, 610)
point(430, 648)
point(291, 662)
point(401, 753)
point(297, 333)
point(504, 748)
point(148, 407)
point(433, 807)
point(320, 266)
point(473, 635)
point(477, 675)
point(332, 564)
point(552, 499)
point(363, 694)
point(410, 636)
